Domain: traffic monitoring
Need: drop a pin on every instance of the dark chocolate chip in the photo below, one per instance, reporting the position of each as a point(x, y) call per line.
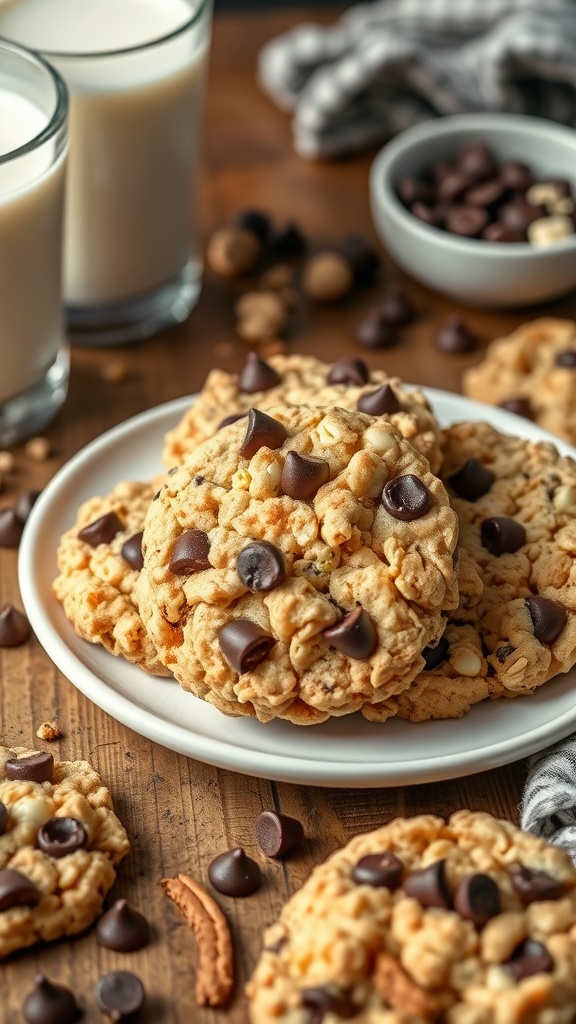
point(406, 497)
point(157, 495)
point(519, 406)
point(533, 886)
point(488, 193)
point(261, 566)
point(382, 402)
point(320, 1001)
point(120, 994)
point(16, 890)
point(14, 627)
point(429, 886)
point(35, 768)
point(11, 528)
point(190, 553)
point(477, 160)
point(477, 899)
point(25, 503)
point(381, 870)
point(504, 652)
point(303, 475)
point(288, 241)
point(396, 308)
point(516, 176)
point(244, 644)
point(58, 837)
point(412, 190)
point(472, 481)
point(363, 259)
point(567, 358)
point(102, 530)
point(198, 480)
point(277, 834)
point(122, 928)
point(355, 634)
point(427, 214)
point(262, 432)
point(48, 1003)
point(172, 470)
point(234, 873)
point(501, 535)
point(256, 375)
point(452, 185)
point(434, 656)
point(548, 618)
point(233, 418)
point(3, 818)
point(455, 337)
point(374, 332)
point(499, 232)
point(255, 221)
point(132, 551)
point(349, 371)
point(466, 221)
point(529, 958)
point(519, 214)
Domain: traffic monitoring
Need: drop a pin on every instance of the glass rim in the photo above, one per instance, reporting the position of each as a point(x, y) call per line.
point(58, 117)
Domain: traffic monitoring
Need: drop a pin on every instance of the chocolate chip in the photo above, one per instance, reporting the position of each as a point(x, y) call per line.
point(548, 618)
point(277, 834)
point(382, 402)
point(172, 470)
point(303, 475)
point(476, 160)
point(429, 886)
point(412, 190)
point(530, 957)
point(233, 418)
point(381, 870)
point(190, 553)
point(427, 214)
point(434, 656)
point(261, 566)
point(452, 185)
point(11, 528)
point(501, 535)
point(58, 837)
point(255, 221)
point(122, 928)
point(504, 652)
point(406, 497)
point(349, 371)
point(157, 495)
point(16, 890)
point(466, 221)
point(132, 551)
point(477, 899)
point(567, 358)
point(24, 505)
point(35, 768)
point(454, 336)
point(256, 375)
point(288, 241)
point(374, 332)
point(14, 627)
point(499, 232)
point(320, 1001)
point(519, 406)
point(396, 308)
point(49, 1004)
point(235, 874)
point(488, 193)
point(563, 186)
point(120, 994)
point(102, 530)
point(362, 257)
point(472, 481)
point(355, 634)
point(533, 886)
point(244, 644)
point(262, 432)
point(3, 818)
point(519, 214)
point(198, 480)
point(516, 176)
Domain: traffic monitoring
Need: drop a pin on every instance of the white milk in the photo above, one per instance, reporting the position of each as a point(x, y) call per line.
point(31, 201)
point(133, 136)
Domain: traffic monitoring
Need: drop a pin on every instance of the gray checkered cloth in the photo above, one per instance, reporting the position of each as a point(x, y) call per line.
point(549, 800)
point(393, 63)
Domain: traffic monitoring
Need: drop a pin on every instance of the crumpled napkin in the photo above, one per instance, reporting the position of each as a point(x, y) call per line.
point(393, 63)
point(549, 798)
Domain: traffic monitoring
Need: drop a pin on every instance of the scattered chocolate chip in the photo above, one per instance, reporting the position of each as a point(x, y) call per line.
point(412, 190)
point(488, 193)
point(499, 232)
point(434, 656)
point(244, 644)
point(477, 160)
point(504, 652)
point(277, 834)
point(35, 768)
point(303, 475)
point(234, 873)
point(233, 418)
point(427, 214)
point(548, 618)
point(533, 886)
point(396, 308)
point(288, 241)
point(262, 432)
point(120, 994)
point(429, 886)
point(58, 837)
point(132, 551)
point(349, 371)
point(3, 818)
point(362, 257)
point(102, 530)
point(256, 375)
point(406, 497)
point(16, 890)
point(190, 553)
point(48, 1003)
point(477, 899)
point(530, 957)
point(355, 634)
point(472, 481)
point(14, 627)
point(374, 332)
point(452, 185)
point(501, 535)
point(382, 402)
point(261, 566)
point(454, 336)
point(519, 214)
point(519, 406)
point(567, 358)
point(381, 870)
point(466, 221)
point(123, 928)
point(320, 1001)
point(11, 528)
point(516, 176)
point(255, 221)
point(24, 505)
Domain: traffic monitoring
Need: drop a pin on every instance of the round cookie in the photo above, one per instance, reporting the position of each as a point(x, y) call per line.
point(533, 371)
point(60, 843)
point(297, 564)
point(96, 584)
point(303, 380)
point(466, 922)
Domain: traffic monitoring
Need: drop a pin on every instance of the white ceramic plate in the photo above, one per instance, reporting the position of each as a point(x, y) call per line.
point(344, 752)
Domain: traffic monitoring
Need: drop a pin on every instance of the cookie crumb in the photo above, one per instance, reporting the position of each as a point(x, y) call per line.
point(115, 371)
point(48, 731)
point(38, 449)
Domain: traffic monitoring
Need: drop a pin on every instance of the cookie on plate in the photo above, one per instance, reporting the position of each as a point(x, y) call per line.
point(297, 564)
point(533, 372)
point(99, 561)
point(60, 843)
point(466, 922)
point(303, 380)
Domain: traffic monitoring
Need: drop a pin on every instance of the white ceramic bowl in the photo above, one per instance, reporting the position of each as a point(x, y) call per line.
point(472, 271)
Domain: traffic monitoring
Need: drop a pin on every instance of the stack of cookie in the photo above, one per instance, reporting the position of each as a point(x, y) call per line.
point(319, 546)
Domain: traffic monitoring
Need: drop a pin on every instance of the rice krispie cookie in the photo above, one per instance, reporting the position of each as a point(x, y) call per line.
point(533, 372)
point(466, 922)
point(297, 564)
point(99, 560)
point(60, 843)
point(303, 380)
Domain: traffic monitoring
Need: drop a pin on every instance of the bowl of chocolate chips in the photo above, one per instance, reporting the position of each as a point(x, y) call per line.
point(481, 207)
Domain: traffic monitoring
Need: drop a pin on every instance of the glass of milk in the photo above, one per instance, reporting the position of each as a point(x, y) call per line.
point(34, 361)
point(134, 70)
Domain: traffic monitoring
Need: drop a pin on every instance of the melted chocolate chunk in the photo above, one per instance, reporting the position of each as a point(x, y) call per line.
point(477, 899)
point(261, 566)
point(382, 402)
point(256, 375)
point(548, 618)
point(472, 481)
point(16, 890)
point(519, 406)
point(406, 497)
point(244, 644)
point(349, 371)
point(122, 928)
point(434, 656)
point(262, 432)
point(48, 1003)
point(303, 475)
point(35, 768)
point(235, 874)
point(533, 886)
point(277, 834)
point(132, 551)
point(60, 836)
point(529, 958)
point(190, 553)
point(319, 1001)
point(381, 870)
point(355, 635)
point(120, 994)
point(14, 627)
point(501, 535)
point(102, 530)
point(429, 886)
point(11, 528)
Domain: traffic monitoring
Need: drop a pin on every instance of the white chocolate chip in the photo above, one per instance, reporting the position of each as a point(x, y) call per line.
point(328, 431)
point(30, 811)
point(563, 205)
point(543, 193)
point(565, 498)
point(548, 230)
point(381, 440)
point(466, 663)
point(274, 471)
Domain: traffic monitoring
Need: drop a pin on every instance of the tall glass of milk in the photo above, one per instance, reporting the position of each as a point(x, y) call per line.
point(134, 70)
point(34, 360)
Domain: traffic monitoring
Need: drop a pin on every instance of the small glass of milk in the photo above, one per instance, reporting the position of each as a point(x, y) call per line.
point(135, 71)
point(34, 361)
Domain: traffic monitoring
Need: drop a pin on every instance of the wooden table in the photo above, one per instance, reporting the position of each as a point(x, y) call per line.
point(179, 812)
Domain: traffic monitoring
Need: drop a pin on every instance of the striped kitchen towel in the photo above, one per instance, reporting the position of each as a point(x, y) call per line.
point(390, 64)
point(549, 799)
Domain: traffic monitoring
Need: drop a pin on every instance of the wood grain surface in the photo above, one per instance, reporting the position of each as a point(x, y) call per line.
point(180, 813)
